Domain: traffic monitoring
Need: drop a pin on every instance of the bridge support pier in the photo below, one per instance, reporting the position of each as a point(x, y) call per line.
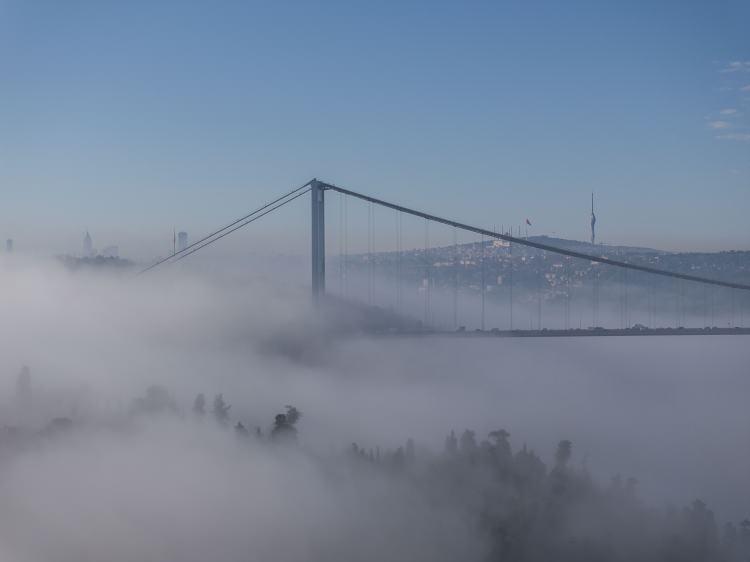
point(318, 237)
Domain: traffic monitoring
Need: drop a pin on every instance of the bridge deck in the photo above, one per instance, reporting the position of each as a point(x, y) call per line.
point(583, 333)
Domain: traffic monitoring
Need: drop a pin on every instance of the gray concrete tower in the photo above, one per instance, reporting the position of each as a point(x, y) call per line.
point(318, 236)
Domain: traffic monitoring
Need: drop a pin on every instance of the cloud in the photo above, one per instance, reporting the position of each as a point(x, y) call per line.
point(737, 66)
point(729, 111)
point(718, 124)
point(735, 136)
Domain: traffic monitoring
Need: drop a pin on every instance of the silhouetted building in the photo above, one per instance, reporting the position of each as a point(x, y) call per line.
point(88, 246)
point(9, 245)
point(182, 241)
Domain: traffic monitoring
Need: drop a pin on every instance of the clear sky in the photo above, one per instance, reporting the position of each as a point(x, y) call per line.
point(129, 117)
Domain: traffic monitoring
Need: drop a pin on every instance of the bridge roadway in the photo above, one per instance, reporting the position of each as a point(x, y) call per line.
point(582, 332)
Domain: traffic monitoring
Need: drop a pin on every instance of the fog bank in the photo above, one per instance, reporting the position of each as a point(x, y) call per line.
point(670, 412)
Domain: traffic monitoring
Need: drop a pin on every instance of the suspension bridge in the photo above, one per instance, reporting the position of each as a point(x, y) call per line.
point(542, 283)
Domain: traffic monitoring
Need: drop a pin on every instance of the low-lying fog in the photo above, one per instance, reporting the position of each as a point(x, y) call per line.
point(671, 412)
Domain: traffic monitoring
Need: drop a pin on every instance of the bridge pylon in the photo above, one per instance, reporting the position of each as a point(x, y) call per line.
point(318, 237)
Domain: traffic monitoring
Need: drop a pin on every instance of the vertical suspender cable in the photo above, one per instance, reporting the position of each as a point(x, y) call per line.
point(397, 265)
point(568, 288)
point(596, 297)
point(539, 293)
point(482, 281)
point(621, 282)
point(430, 317)
point(455, 278)
point(426, 280)
point(369, 253)
point(346, 245)
point(650, 289)
point(510, 297)
point(400, 244)
point(341, 244)
point(683, 301)
point(626, 304)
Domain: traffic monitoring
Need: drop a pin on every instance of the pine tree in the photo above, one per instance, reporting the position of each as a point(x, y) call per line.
point(221, 409)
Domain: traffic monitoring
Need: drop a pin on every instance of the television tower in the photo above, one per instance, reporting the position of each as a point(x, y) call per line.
point(593, 222)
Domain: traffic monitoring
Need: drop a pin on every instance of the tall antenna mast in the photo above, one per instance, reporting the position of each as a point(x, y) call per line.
point(593, 221)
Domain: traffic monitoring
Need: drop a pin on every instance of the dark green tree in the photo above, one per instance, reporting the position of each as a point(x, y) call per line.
point(221, 409)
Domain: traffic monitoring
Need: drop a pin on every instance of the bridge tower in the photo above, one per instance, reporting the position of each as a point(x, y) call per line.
point(318, 237)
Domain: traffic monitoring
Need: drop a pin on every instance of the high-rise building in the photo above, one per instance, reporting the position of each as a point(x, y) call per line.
point(182, 241)
point(9, 245)
point(88, 246)
point(593, 221)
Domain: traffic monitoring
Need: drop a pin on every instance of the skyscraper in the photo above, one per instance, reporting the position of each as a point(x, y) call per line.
point(182, 241)
point(9, 245)
point(88, 246)
point(593, 221)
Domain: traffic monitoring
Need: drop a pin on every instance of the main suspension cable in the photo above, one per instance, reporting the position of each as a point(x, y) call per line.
point(253, 219)
point(186, 251)
point(537, 245)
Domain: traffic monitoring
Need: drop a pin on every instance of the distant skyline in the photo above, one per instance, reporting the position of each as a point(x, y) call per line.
point(131, 119)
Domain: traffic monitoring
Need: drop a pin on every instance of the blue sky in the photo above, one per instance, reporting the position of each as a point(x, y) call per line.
point(130, 117)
